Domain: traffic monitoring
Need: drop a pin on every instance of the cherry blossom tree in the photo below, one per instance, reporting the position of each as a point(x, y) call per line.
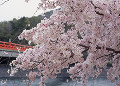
point(93, 26)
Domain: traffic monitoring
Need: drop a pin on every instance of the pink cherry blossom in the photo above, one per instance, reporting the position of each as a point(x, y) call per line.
point(80, 26)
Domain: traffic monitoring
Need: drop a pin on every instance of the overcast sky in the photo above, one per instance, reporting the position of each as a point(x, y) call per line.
point(17, 9)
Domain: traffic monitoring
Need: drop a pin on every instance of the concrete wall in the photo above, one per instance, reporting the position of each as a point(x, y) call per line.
point(3, 72)
point(8, 53)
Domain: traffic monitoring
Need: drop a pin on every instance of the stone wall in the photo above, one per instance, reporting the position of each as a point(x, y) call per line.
point(20, 73)
point(4, 72)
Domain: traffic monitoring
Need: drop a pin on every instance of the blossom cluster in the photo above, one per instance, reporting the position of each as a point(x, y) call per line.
point(80, 25)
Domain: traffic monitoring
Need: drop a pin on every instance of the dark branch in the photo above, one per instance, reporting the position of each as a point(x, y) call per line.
point(109, 49)
point(98, 47)
point(96, 8)
point(105, 55)
point(99, 13)
point(4, 2)
point(36, 11)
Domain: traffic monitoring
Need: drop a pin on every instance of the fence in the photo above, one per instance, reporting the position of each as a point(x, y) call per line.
point(13, 46)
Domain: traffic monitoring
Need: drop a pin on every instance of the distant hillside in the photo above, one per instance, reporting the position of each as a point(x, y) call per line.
point(11, 29)
point(47, 14)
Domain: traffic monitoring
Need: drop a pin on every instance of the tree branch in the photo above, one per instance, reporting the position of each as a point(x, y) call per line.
point(4, 2)
point(98, 47)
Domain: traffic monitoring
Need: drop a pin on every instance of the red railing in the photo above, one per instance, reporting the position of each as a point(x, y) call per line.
point(13, 46)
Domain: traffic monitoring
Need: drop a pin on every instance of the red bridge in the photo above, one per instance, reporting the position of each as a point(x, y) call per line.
point(13, 46)
point(8, 49)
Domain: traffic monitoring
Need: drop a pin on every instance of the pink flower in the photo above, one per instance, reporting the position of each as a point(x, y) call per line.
point(32, 76)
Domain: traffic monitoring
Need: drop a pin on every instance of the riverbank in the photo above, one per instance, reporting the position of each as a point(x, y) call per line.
point(4, 72)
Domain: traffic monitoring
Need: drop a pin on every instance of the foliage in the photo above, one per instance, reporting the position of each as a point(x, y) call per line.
point(11, 29)
point(5, 30)
point(94, 27)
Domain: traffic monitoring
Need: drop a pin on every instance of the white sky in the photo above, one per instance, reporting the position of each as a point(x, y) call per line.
point(17, 9)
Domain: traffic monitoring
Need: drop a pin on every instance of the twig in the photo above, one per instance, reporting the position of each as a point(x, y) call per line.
point(4, 2)
point(98, 47)
point(36, 11)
